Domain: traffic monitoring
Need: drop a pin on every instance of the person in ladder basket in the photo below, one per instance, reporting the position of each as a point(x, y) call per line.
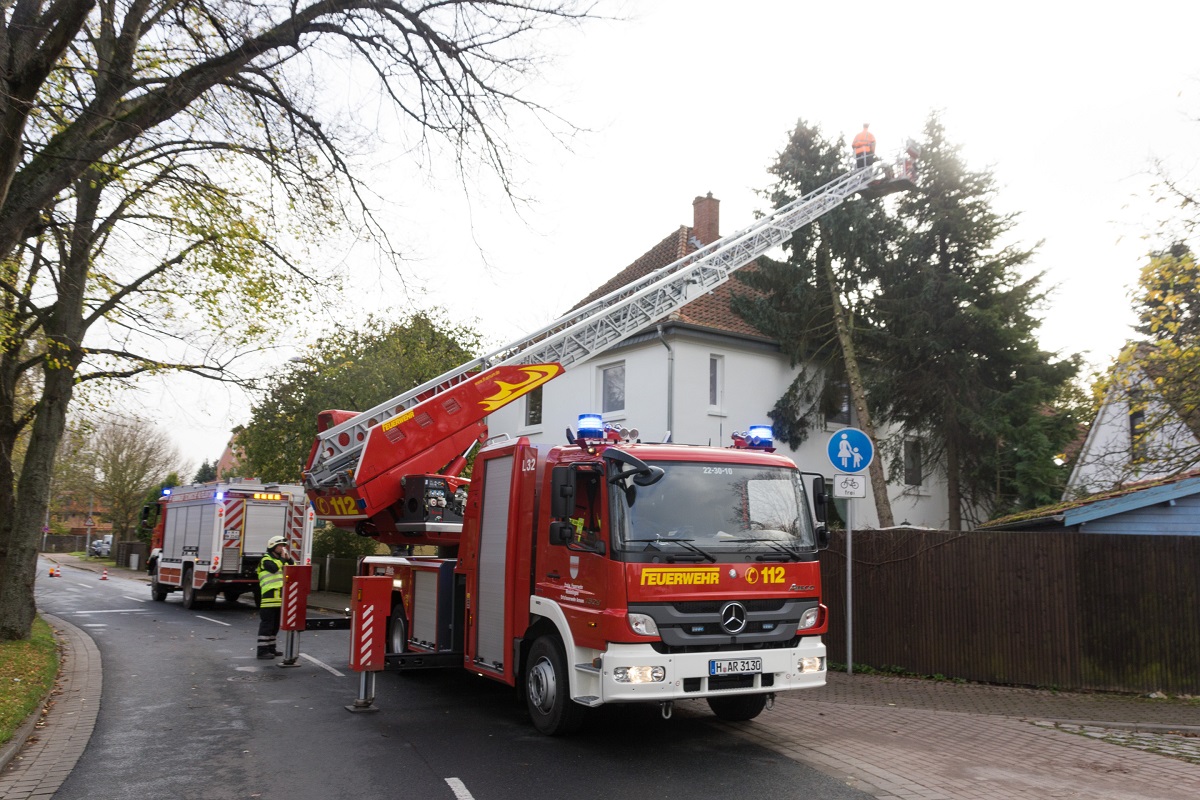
point(270, 585)
point(864, 147)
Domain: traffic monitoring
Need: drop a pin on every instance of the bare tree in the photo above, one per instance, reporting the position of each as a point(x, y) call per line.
point(147, 124)
point(130, 459)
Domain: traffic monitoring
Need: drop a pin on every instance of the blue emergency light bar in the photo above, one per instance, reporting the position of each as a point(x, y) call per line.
point(761, 435)
point(166, 491)
point(591, 426)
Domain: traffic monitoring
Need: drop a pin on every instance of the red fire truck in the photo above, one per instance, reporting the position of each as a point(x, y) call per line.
point(602, 569)
point(207, 539)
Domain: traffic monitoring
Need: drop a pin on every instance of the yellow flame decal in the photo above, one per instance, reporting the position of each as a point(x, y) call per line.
point(537, 375)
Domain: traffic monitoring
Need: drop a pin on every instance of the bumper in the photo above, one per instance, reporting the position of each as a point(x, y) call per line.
point(686, 675)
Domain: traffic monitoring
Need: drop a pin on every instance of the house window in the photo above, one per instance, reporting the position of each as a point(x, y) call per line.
point(612, 388)
point(837, 403)
point(533, 408)
point(1137, 425)
point(716, 381)
point(913, 473)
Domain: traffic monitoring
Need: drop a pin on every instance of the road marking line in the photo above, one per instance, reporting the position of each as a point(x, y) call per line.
point(110, 611)
point(210, 619)
point(322, 664)
point(134, 599)
point(459, 789)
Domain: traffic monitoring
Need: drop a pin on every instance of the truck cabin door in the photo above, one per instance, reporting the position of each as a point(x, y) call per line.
point(573, 562)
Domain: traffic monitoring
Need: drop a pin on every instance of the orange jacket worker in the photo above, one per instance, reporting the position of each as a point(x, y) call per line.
point(864, 147)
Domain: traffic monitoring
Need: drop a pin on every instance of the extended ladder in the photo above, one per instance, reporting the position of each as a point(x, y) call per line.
point(605, 322)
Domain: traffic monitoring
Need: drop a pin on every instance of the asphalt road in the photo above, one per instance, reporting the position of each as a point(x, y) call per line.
point(188, 712)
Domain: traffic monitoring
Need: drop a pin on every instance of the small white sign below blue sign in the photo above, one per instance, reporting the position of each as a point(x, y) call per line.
point(850, 450)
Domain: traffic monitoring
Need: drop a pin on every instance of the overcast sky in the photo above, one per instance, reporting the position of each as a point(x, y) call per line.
point(1067, 104)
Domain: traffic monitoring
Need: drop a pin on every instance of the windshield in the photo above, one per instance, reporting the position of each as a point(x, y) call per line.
point(718, 508)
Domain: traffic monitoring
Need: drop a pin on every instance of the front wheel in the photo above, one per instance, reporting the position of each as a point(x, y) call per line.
point(738, 707)
point(157, 590)
point(548, 689)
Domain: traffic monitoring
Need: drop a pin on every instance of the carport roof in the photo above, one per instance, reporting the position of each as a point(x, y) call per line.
point(1098, 506)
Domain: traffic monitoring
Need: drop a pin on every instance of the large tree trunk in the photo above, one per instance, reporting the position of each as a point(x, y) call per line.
point(18, 567)
point(64, 352)
point(858, 396)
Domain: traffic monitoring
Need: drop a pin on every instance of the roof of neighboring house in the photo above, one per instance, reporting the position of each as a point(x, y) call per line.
point(1098, 506)
point(712, 310)
point(1157, 370)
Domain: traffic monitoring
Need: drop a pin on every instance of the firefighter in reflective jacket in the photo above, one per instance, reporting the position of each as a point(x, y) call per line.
point(270, 590)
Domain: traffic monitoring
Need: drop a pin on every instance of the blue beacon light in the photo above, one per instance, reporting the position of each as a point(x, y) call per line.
point(591, 426)
point(761, 435)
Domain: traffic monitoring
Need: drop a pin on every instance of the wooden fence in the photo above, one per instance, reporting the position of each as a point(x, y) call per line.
point(1052, 609)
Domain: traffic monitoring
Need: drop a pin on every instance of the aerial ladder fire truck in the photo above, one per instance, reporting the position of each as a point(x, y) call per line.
point(606, 569)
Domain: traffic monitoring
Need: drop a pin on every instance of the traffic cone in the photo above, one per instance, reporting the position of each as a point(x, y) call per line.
point(58, 572)
point(52, 572)
point(104, 577)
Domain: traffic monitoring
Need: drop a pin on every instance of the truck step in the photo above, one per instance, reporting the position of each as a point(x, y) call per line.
point(587, 668)
point(591, 701)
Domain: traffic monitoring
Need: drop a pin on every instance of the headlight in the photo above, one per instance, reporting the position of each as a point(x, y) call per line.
point(816, 664)
point(809, 618)
point(643, 625)
point(640, 674)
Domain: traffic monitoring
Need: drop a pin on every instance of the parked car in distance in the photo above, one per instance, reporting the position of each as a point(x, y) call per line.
point(102, 547)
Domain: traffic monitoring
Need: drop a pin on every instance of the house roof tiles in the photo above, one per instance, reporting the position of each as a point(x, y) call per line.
point(711, 311)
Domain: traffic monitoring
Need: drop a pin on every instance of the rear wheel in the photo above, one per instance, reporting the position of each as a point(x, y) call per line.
point(738, 707)
point(190, 600)
point(231, 595)
point(397, 641)
point(548, 689)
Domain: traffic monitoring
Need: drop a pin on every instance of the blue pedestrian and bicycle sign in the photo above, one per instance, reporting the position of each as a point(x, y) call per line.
point(850, 450)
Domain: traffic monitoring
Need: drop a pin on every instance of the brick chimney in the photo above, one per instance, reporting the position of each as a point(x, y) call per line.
point(706, 219)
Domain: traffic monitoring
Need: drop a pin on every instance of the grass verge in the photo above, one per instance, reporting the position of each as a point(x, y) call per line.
point(27, 672)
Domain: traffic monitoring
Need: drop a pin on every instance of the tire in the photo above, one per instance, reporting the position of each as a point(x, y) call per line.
point(157, 591)
point(738, 707)
point(189, 592)
point(548, 689)
point(397, 641)
point(231, 595)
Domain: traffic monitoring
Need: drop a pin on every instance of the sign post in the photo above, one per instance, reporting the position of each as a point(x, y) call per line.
point(851, 451)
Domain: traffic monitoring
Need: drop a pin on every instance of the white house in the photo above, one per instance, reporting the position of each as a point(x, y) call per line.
point(1137, 435)
point(700, 375)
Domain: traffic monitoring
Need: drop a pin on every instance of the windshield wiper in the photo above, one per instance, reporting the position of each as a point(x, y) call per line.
point(792, 553)
point(685, 543)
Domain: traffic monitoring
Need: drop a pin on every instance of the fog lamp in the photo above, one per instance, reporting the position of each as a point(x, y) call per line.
point(812, 664)
point(640, 674)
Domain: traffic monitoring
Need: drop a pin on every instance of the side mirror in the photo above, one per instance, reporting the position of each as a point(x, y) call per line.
point(562, 492)
point(819, 499)
point(822, 537)
point(561, 532)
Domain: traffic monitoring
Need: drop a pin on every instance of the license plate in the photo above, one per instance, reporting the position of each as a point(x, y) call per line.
point(735, 666)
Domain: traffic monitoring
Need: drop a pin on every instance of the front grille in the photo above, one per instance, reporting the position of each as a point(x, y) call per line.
point(714, 606)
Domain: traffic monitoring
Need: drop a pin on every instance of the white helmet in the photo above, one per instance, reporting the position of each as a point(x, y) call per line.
point(274, 542)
